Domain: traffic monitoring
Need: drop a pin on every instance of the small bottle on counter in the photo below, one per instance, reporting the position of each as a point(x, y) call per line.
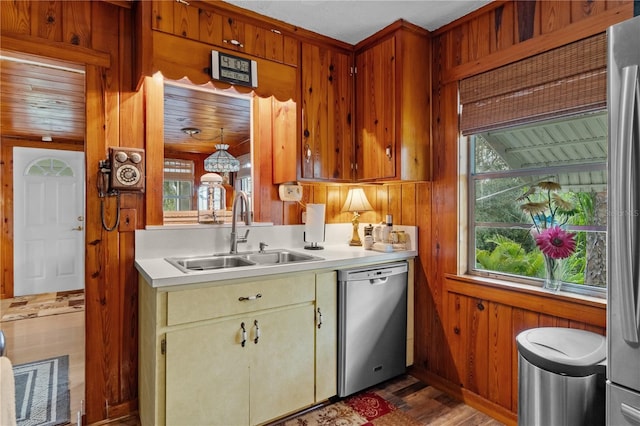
point(386, 230)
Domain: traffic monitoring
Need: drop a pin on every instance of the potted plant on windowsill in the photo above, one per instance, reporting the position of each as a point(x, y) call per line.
point(549, 213)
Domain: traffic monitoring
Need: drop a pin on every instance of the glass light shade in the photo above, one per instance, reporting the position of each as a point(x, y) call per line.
point(221, 160)
point(356, 201)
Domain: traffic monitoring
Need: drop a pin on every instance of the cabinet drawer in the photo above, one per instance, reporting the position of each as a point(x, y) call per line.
point(185, 306)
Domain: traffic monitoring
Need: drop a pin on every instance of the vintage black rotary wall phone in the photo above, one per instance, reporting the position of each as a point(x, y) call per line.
point(122, 171)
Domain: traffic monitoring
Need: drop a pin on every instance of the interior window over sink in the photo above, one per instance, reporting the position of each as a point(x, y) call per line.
point(525, 180)
point(207, 152)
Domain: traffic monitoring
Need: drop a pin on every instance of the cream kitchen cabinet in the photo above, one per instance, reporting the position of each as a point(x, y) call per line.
point(326, 335)
point(242, 352)
point(214, 378)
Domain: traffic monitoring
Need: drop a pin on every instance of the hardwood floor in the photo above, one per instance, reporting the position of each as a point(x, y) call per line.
point(430, 406)
point(33, 339)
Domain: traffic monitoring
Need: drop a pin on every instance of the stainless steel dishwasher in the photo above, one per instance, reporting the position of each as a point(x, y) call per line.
point(372, 325)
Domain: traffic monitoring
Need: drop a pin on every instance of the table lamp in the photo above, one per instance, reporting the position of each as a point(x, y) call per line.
point(356, 202)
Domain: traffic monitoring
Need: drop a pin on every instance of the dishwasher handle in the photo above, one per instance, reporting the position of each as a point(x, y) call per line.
point(378, 281)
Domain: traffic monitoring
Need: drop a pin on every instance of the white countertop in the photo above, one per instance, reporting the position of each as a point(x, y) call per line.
point(152, 249)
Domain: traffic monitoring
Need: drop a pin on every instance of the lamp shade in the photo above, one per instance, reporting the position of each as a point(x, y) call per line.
point(356, 201)
point(221, 160)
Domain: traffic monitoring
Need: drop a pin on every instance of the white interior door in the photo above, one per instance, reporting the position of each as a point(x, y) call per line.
point(48, 200)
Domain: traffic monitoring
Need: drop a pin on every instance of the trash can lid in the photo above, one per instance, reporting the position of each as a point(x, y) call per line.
point(566, 351)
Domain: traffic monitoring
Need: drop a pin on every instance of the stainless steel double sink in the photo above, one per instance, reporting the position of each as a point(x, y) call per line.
point(225, 261)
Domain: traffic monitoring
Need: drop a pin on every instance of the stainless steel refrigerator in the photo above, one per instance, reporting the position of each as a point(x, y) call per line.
point(623, 304)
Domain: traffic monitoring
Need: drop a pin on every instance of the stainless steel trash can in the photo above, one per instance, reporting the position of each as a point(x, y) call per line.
point(561, 377)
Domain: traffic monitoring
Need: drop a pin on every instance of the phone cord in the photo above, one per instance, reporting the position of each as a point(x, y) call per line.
point(104, 225)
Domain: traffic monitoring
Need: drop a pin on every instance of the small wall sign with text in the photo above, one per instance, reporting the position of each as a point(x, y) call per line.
point(234, 69)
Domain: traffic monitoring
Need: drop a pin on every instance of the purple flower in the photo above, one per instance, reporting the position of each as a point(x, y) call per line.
point(556, 243)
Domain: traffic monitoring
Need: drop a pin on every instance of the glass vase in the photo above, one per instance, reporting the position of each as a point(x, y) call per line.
point(553, 278)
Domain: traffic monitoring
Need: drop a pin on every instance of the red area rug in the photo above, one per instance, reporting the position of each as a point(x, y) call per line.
point(367, 408)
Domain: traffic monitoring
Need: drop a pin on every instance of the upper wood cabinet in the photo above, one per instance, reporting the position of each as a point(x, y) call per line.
point(327, 107)
point(212, 26)
point(393, 84)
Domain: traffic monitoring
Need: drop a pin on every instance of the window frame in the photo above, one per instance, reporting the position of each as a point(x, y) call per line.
point(178, 177)
point(470, 236)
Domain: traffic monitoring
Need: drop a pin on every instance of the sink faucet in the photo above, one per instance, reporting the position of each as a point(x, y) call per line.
point(241, 195)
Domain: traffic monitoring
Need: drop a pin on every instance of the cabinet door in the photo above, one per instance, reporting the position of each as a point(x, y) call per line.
point(327, 103)
point(326, 335)
point(282, 370)
point(376, 111)
point(207, 375)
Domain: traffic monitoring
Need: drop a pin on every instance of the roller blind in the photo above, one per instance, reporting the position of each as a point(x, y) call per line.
point(565, 80)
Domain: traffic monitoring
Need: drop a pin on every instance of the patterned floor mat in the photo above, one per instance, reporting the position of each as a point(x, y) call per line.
point(40, 305)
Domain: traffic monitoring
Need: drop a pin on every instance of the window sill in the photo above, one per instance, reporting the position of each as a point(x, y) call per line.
point(575, 307)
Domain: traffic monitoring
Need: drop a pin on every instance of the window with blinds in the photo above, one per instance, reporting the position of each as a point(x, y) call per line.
point(535, 124)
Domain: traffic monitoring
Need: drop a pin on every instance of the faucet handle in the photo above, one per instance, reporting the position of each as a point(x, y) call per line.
point(262, 246)
point(244, 238)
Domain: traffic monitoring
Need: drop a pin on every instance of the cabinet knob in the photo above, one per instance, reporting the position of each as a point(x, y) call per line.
point(307, 152)
point(388, 152)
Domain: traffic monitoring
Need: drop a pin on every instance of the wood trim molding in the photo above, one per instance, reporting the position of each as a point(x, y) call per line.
point(64, 51)
point(590, 310)
point(536, 45)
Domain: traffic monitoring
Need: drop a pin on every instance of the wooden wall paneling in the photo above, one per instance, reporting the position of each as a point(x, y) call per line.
point(333, 210)
point(262, 131)
point(408, 201)
point(320, 196)
point(162, 16)
point(255, 40)
point(555, 14)
point(6, 219)
point(394, 202)
point(480, 32)
point(291, 49)
point(98, 370)
point(371, 217)
point(76, 24)
point(284, 141)
point(210, 27)
point(477, 345)
point(499, 369)
point(154, 146)
point(46, 20)
point(527, 20)
point(131, 135)
point(274, 45)
point(382, 202)
point(16, 17)
point(186, 20)
point(502, 27)
point(456, 332)
point(584, 9)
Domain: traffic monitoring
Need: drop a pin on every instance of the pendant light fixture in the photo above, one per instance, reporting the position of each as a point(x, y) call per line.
point(220, 161)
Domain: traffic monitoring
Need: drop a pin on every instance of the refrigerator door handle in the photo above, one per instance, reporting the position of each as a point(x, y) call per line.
point(625, 220)
point(630, 412)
